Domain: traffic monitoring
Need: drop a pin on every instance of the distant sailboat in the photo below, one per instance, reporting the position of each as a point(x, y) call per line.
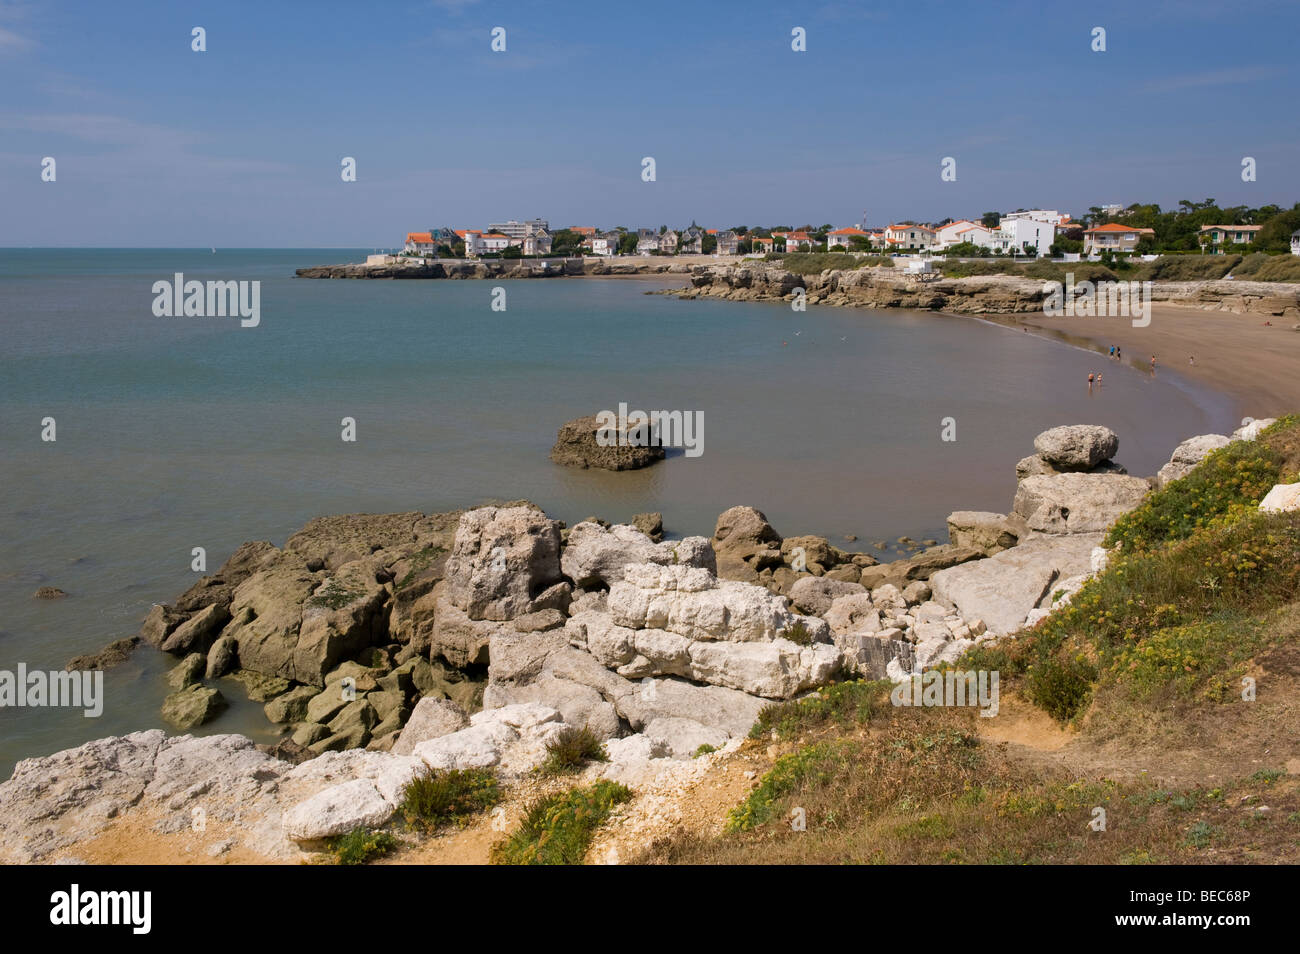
point(214, 251)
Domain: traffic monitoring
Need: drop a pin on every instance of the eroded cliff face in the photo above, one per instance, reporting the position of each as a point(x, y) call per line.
point(980, 295)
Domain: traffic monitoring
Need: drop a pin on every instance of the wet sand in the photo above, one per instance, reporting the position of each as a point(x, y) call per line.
point(1256, 364)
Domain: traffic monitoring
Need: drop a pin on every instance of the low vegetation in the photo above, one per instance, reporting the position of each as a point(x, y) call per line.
point(813, 263)
point(558, 829)
point(439, 798)
point(361, 845)
point(572, 748)
point(1195, 587)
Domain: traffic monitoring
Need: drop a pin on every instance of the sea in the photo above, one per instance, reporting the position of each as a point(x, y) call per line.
point(172, 433)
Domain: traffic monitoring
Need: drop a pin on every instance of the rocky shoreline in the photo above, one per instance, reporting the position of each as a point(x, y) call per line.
point(878, 287)
point(390, 645)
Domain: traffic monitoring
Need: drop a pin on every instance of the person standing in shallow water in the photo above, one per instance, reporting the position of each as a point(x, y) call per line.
point(1153, 364)
point(1089, 382)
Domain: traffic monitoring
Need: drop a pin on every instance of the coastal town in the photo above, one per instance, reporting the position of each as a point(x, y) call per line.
point(1025, 233)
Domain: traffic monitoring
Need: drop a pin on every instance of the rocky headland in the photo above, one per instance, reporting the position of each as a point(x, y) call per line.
point(388, 646)
point(873, 287)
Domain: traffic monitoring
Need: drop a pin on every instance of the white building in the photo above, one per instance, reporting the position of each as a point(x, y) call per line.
point(1049, 216)
point(520, 230)
point(1295, 242)
point(899, 237)
point(844, 237)
point(946, 235)
point(1026, 236)
point(481, 243)
point(605, 244)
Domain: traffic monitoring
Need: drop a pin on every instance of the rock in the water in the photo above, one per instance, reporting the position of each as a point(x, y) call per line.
point(222, 657)
point(193, 706)
point(578, 445)
point(187, 672)
point(111, 655)
point(197, 632)
point(1077, 503)
point(290, 706)
point(1076, 446)
point(49, 593)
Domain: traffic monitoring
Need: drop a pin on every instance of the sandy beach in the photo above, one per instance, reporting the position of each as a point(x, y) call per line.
point(1255, 363)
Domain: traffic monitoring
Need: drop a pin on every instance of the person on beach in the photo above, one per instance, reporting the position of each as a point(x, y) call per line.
point(1090, 381)
point(1191, 359)
point(1112, 352)
point(1099, 380)
point(1153, 364)
point(1119, 354)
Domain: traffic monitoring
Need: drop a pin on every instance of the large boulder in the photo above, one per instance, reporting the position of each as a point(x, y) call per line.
point(431, 719)
point(989, 533)
point(1251, 431)
point(1077, 503)
point(1076, 446)
point(337, 810)
point(745, 543)
point(577, 445)
point(1282, 498)
point(193, 706)
point(1004, 588)
point(595, 555)
point(501, 559)
point(815, 594)
point(1187, 455)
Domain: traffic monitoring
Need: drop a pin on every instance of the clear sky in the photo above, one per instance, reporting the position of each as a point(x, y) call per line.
point(157, 145)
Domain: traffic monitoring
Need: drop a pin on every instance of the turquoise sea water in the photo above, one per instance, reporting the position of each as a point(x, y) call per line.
point(174, 433)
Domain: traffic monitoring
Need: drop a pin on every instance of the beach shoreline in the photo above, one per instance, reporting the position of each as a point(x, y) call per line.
point(1254, 363)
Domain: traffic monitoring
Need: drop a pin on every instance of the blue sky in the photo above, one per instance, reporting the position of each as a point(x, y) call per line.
point(241, 145)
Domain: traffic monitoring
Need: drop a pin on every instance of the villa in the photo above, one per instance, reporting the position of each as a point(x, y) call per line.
point(947, 235)
point(692, 241)
point(762, 245)
point(1295, 242)
point(1217, 235)
point(899, 237)
point(844, 237)
point(728, 243)
point(1114, 238)
point(605, 244)
point(422, 243)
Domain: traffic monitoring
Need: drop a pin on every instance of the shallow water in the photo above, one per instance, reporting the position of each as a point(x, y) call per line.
point(182, 432)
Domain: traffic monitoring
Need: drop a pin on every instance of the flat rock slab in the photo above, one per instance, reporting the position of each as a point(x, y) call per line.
point(1004, 588)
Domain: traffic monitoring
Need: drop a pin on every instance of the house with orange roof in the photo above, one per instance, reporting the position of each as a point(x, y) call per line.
point(900, 238)
point(798, 242)
point(1114, 237)
point(946, 235)
point(762, 245)
point(421, 243)
point(844, 237)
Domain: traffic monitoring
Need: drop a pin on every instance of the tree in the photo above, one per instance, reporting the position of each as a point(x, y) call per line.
point(566, 242)
point(512, 251)
point(708, 244)
point(990, 220)
point(627, 244)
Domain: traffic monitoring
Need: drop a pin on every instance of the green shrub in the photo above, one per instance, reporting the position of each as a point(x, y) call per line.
point(558, 829)
point(1186, 268)
point(704, 749)
point(440, 798)
point(842, 703)
point(811, 765)
point(1228, 480)
point(571, 749)
point(1061, 688)
point(798, 633)
point(361, 845)
point(1260, 267)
